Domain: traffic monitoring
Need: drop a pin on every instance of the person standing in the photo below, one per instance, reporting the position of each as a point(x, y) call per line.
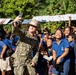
point(49, 51)
point(23, 63)
point(3, 63)
point(61, 59)
point(72, 54)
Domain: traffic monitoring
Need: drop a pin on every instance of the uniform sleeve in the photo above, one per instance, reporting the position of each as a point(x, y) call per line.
point(18, 32)
point(35, 58)
point(72, 44)
point(75, 49)
point(66, 43)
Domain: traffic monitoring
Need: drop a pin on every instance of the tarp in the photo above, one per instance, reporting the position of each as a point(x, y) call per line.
point(26, 21)
point(5, 20)
point(64, 17)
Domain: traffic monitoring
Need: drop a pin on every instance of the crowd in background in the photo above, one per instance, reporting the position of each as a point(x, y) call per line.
point(49, 45)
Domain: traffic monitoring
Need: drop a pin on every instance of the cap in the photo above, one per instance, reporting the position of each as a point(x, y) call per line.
point(34, 23)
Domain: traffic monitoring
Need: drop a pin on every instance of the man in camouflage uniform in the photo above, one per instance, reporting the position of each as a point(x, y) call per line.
point(23, 63)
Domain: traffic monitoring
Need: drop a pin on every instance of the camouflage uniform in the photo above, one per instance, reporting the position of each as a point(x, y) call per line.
point(22, 55)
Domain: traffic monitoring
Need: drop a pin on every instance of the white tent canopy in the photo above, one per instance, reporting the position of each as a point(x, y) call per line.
point(5, 20)
point(64, 17)
point(55, 18)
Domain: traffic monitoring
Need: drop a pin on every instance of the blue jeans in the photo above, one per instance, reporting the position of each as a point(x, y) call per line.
point(66, 68)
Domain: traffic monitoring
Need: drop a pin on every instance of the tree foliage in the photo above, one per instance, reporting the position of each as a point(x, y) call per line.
point(55, 7)
point(11, 8)
point(30, 8)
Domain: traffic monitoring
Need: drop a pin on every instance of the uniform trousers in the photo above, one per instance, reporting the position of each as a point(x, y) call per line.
point(24, 70)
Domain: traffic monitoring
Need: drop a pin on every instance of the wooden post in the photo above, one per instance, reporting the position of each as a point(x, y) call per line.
point(69, 22)
point(12, 28)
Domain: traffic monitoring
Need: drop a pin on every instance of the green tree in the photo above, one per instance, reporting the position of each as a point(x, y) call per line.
point(55, 7)
point(11, 8)
point(30, 8)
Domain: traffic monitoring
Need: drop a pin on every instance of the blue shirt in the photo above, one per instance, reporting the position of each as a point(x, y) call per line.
point(1, 46)
point(59, 49)
point(43, 42)
point(75, 51)
point(7, 42)
point(72, 53)
point(49, 51)
point(14, 41)
point(42, 35)
point(72, 44)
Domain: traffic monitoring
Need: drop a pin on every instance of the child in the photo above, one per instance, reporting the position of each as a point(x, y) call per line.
point(41, 67)
point(75, 51)
point(3, 47)
point(72, 55)
point(49, 50)
point(43, 40)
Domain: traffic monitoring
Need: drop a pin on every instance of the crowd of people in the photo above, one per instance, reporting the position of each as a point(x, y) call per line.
point(7, 48)
point(34, 53)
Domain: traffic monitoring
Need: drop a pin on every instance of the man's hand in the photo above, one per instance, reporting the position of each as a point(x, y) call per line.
point(32, 64)
point(17, 19)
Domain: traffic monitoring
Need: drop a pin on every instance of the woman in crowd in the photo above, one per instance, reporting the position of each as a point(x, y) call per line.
point(67, 31)
point(61, 59)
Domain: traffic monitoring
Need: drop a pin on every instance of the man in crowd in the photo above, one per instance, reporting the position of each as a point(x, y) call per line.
point(23, 63)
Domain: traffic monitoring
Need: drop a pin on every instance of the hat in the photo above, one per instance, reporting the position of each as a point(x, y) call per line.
point(34, 23)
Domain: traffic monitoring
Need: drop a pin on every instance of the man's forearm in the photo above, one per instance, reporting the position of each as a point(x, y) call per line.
point(35, 58)
point(17, 32)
